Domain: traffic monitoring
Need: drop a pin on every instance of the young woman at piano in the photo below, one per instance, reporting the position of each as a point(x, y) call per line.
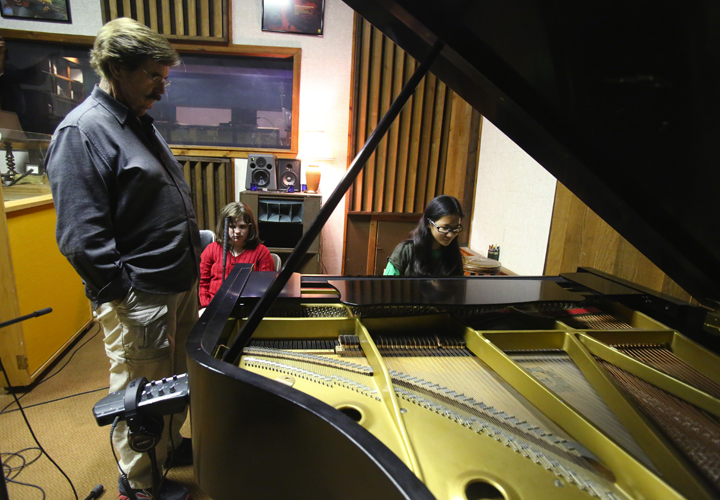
point(243, 247)
point(432, 249)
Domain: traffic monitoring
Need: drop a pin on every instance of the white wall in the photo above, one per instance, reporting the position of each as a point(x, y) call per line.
point(324, 85)
point(85, 15)
point(324, 95)
point(514, 198)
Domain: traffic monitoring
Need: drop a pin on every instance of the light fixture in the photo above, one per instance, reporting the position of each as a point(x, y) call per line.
point(315, 147)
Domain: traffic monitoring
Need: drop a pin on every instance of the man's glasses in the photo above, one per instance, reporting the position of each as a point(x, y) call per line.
point(446, 229)
point(157, 79)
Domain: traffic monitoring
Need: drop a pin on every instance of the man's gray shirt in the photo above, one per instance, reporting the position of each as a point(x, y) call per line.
point(124, 211)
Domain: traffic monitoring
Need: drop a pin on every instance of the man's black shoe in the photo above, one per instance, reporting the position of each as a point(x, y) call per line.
point(182, 455)
point(170, 490)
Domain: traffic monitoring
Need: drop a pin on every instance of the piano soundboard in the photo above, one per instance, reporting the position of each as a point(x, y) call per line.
point(600, 402)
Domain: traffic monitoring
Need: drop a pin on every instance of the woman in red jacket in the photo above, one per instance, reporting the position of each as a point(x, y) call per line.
point(244, 247)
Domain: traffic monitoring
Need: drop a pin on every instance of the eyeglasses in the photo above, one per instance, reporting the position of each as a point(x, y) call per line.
point(156, 79)
point(446, 229)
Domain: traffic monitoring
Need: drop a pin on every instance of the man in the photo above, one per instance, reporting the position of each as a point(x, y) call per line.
point(125, 222)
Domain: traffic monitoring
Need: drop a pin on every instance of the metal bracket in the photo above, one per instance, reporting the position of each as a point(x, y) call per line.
point(22, 362)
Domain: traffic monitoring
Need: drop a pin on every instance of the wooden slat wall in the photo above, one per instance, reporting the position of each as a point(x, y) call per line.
point(425, 152)
point(580, 238)
point(211, 183)
point(194, 21)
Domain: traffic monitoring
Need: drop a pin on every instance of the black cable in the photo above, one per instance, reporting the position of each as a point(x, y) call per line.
point(27, 484)
point(70, 358)
point(54, 400)
point(172, 446)
point(8, 470)
point(96, 492)
point(25, 462)
point(51, 376)
point(112, 446)
point(123, 474)
point(33, 434)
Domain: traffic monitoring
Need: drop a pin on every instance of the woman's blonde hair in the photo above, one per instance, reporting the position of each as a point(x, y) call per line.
point(130, 43)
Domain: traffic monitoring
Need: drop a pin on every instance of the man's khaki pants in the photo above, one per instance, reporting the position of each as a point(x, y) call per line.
point(145, 336)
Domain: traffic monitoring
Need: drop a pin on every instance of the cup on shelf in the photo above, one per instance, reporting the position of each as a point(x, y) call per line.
point(494, 252)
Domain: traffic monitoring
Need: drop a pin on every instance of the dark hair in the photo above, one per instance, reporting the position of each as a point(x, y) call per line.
point(239, 210)
point(451, 263)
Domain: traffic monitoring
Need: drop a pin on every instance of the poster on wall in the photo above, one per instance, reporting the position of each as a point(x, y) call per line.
point(304, 17)
point(57, 11)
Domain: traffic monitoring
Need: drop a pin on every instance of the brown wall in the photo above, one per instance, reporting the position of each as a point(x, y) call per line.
point(431, 149)
point(579, 238)
point(371, 239)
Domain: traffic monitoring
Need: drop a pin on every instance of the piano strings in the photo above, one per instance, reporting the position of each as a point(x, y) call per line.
point(309, 311)
point(313, 360)
point(559, 373)
point(601, 321)
point(441, 375)
point(662, 358)
point(693, 431)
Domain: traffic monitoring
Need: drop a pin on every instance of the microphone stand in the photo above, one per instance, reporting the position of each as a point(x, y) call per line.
point(225, 246)
point(35, 314)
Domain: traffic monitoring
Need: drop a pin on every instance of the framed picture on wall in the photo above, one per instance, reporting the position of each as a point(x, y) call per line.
point(303, 17)
point(57, 11)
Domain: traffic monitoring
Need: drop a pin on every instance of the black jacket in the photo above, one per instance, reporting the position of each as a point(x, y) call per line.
point(124, 211)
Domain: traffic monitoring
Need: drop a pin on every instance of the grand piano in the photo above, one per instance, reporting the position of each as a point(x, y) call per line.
point(500, 387)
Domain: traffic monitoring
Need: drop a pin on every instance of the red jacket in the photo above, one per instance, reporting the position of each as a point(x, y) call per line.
point(211, 267)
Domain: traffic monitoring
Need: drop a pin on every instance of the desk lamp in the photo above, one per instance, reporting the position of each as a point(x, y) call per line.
point(315, 148)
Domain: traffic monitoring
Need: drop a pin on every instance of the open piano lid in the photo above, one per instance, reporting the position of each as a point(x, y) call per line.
point(620, 101)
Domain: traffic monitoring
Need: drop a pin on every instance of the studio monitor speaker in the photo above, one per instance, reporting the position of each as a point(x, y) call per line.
point(288, 174)
point(261, 172)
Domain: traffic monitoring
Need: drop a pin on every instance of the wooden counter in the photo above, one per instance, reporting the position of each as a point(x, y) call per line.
point(26, 196)
point(35, 275)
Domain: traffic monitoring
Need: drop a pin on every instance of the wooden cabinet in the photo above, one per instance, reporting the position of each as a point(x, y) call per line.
point(371, 239)
point(282, 220)
point(35, 275)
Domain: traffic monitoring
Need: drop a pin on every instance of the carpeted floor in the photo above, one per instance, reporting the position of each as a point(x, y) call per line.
point(59, 409)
